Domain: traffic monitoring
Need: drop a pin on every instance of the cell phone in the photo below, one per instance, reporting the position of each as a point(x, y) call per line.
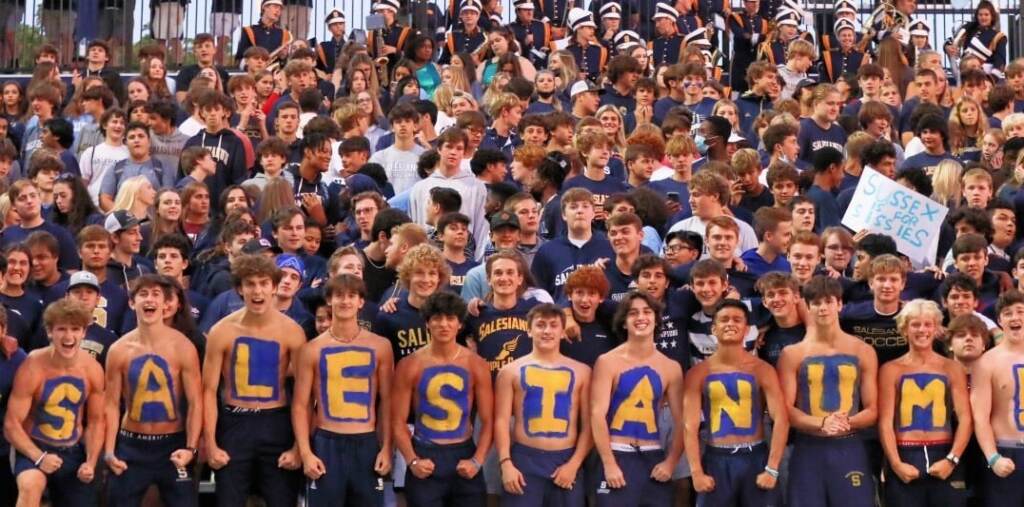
point(374, 22)
point(673, 196)
point(359, 37)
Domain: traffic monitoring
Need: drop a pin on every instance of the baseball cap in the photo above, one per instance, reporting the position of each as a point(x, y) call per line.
point(582, 86)
point(259, 245)
point(121, 220)
point(83, 278)
point(504, 219)
point(293, 262)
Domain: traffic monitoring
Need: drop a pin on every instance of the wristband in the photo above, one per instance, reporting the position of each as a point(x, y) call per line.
point(40, 460)
point(194, 451)
point(503, 460)
point(771, 471)
point(413, 462)
point(475, 462)
point(994, 458)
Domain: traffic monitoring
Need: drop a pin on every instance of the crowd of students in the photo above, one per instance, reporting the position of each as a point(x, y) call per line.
point(548, 263)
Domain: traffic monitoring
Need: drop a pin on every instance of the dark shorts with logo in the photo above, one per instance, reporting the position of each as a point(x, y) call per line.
point(149, 463)
point(350, 479)
point(63, 486)
point(925, 490)
point(830, 471)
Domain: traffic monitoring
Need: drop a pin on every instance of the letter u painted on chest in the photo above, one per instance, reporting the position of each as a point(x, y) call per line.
point(633, 411)
point(923, 402)
point(547, 400)
point(255, 364)
point(732, 404)
point(60, 405)
point(346, 380)
point(443, 402)
point(151, 390)
point(831, 384)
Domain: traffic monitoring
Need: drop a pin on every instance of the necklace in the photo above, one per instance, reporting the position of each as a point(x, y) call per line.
point(341, 339)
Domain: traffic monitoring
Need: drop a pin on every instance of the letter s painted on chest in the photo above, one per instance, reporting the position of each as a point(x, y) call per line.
point(60, 405)
point(443, 402)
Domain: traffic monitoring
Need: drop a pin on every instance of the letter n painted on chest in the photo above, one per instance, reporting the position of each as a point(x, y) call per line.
point(831, 384)
point(923, 402)
point(255, 364)
point(547, 400)
point(443, 402)
point(346, 379)
point(56, 418)
point(633, 411)
point(732, 402)
point(151, 390)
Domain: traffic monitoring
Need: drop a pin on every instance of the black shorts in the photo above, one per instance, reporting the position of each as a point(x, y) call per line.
point(350, 479)
point(63, 485)
point(149, 463)
point(254, 440)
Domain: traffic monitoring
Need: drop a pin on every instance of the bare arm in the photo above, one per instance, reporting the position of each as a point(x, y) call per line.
point(777, 411)
point(868, 414)
point(674, 391)
point(981, 407)
point(585, 438)
point(95, 406)
point(600, 394)
point(192, 382)
point(692, 400)
point(887, 413)
point(504, 396)
point(400, 401)
point(212, 365)
point(302, 400)
point(18, 405)
point(106, 203)
point(962, 407)
point(112, 404)
point(484, 393)
point(385, 379)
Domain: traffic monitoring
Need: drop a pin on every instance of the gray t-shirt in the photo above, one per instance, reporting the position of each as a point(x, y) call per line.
point(158, 175)
point(400, 166)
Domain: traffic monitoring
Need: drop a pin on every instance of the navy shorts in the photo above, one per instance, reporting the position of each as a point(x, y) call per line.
point(925, 490)
point(149, 463)
point(537, 466)
point(1000, 492)
point(63, 485)
point(350, 479)
point(830, 471)
point(735, 473)
point(254, 440)
point(640, 490)
point(445, 487)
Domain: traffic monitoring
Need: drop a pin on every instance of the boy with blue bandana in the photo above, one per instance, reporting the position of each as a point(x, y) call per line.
point(921, 396)
point(730, 391)
point(548, 396)
point(342, 391)
point(629, 384)
point(57, 433)
point(441, 384)
point(829, 384)
point(152, 372)
point(246, 422)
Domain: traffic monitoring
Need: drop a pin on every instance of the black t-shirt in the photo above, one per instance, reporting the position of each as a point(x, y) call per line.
point(377, 277)
point(189, 72)
point(778, 338)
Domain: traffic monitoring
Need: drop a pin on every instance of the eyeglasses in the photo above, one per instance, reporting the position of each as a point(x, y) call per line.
point(678, 246)
point(837, 247)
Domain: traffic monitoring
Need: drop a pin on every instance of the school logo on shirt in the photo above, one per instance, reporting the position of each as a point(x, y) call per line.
point(346, 380)
point(547, 400)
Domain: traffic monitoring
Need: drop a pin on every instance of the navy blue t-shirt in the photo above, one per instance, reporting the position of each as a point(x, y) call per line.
point(8, 367)
point(879, 331)
point(777, 338)
point(458, 276)
point(826, 209)
point(66, 249)
point(97, 342)
point(667, 185)
point(501, 336)
point(602, 190)
point(924, 160)
point(558, 258)
point(405, 329)
point(813, 138)
point(595, 339)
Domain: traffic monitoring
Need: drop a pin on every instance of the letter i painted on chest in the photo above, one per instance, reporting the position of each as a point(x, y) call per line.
point(255, 364)
point(152, 390)
point(923, 402)
point(346, 377)
point(547, 400)
point(59, 408)
point(730, 401)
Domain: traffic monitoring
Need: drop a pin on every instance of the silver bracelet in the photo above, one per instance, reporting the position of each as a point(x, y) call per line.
point(771, 471)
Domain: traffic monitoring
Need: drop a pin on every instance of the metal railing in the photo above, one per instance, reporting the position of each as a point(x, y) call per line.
point(70, 24)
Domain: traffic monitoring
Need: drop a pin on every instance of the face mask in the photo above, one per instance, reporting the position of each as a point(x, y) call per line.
point(702, 144)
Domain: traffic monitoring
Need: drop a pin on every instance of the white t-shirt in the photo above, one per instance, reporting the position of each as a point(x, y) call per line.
point(95, 162)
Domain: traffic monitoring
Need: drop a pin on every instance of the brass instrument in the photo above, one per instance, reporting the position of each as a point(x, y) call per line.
point(888, 18)
point(279, 56)
point(379, 60)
